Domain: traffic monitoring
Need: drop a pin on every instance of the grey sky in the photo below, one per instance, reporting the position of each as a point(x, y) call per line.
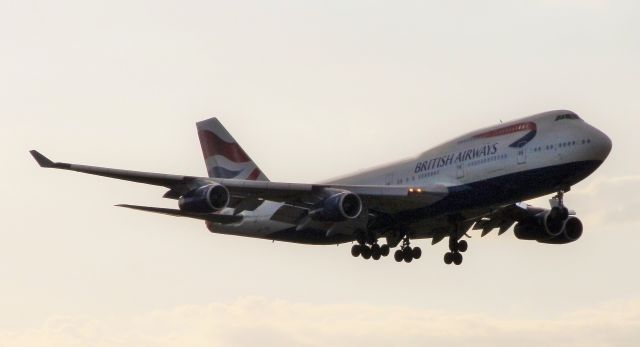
point(311, 90)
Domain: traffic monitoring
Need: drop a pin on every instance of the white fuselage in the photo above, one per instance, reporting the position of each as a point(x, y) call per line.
point(522, 159)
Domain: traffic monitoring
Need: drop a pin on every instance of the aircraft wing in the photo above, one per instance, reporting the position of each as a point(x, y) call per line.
point(211, 217)
point(383, 198)
point(505, 217)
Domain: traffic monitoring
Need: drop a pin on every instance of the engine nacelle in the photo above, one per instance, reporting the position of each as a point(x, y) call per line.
point(571, 232)
point(338, 207)
point(536, 229)
point(205, 199)
point(530, 230)
point(554, 220)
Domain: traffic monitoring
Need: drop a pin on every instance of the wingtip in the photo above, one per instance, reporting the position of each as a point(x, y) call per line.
point(41, 159)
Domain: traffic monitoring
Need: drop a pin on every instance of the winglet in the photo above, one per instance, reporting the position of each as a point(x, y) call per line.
point(41, 159)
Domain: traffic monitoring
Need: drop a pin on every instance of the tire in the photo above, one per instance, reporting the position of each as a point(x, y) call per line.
point(384, 250)
point(457, 258)
point(407, 254)
point(448, 258)
point(365, 252)
point(463, 246)
point(375, 252)
point(397, 255)
point(416, 253)
point(355, 250)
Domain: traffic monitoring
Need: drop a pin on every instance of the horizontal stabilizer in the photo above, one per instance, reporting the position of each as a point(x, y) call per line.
point(215, 218)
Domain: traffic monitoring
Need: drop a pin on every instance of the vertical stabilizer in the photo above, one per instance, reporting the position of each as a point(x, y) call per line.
point(223, 156)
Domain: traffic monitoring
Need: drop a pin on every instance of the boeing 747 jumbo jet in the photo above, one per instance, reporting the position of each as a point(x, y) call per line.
point(476, 181)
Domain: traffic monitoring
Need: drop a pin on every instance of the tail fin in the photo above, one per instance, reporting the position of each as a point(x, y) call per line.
point(223, 155)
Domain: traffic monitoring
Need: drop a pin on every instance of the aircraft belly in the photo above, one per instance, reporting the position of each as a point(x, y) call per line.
point(505, 189)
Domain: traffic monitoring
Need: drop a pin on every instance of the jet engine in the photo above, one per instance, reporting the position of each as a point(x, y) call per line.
point(549, 227)
point(205, 199)
point(571, 232)
point(339, 206)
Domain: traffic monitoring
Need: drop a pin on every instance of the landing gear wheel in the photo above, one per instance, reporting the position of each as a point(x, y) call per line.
point(355, 250)
point(462, 246)
point(398, 255)
point(448, 258)
point(457, 258)
point(384, 250)
point(366, 252)
point(375, 252)
point(407, 254)
point(416, 253)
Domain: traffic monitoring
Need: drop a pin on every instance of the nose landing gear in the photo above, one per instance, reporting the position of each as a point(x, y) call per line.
point(558, 210)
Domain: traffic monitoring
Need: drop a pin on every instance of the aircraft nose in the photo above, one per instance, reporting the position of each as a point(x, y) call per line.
point(603, 144)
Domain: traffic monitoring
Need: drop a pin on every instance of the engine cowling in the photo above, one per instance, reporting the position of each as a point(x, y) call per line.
point(536, 229)
point(554, 220)
point(339, 207)
point(571, 232)
point(205, 199)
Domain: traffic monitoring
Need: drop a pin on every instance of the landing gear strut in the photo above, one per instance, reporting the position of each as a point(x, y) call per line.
point(374, 251)
point(406, 252)
point(558, 209)
point(456, 247)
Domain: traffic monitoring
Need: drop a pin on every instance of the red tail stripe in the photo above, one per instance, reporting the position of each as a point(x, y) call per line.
point(213, 145)
point(254, 175)
point(508, 130)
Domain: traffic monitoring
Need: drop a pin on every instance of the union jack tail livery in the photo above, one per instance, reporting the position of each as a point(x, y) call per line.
point(223, 156)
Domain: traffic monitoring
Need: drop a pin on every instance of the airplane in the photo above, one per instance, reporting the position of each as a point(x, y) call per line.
point(477, 181)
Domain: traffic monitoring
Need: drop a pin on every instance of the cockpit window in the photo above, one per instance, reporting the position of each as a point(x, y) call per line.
point(567, 116)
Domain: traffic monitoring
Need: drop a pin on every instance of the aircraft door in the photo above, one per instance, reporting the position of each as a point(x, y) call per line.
point(388, 179)
point(522, 155)
point(460, 171)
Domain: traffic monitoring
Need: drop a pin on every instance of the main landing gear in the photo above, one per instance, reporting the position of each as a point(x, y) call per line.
point(374, 251)
point(406, 252)
point(456, 249)
point(367, 246)
point(456, 246)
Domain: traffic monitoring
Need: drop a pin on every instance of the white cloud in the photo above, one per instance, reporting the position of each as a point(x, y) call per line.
point(258, 321)
point(608, 201)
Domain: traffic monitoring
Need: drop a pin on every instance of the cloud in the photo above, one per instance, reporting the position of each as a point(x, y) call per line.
point(259, 321)
point(608, 201)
